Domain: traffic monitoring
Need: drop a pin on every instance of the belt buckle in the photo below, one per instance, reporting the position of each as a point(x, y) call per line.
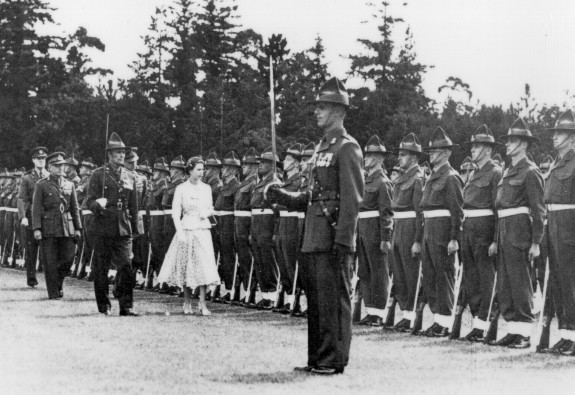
point(62, 208)
point(120, 205)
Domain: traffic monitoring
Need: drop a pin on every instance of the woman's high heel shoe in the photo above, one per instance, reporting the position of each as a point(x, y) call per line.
point(187, 308)
point(203, 310)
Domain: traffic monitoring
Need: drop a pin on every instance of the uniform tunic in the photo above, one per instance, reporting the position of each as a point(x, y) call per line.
point(113, 229)
point(521, 186)
point(405, 267)
point(216, 185)
point(373, 263)
point(156, 223)
point(478, 233)
point(56, 213)
point(224, 208)
point(442, 191)
point(560, 189)
point(242, 227)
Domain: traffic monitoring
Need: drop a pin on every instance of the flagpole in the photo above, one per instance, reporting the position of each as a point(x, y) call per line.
point(273, 115)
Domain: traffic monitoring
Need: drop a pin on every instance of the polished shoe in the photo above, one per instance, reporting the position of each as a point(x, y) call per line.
point(325, 371)
point(187, 308)
point(428, 331)
point(33, 283)
point(366, 321)
point(300, 314)
point(438, 331)
point(570, 351)
point(377, 322)
point(504, 342)
point(402, 326)
point(560, 346)
point(128, 313)
point(227, 299)
point(476, 335)
point(239, 302)
point(520, 343)
point(285, 309)
point(265, 304)
point(107, 312)
point(304, 369)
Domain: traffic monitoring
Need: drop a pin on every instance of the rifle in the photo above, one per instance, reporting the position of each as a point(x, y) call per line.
point(455, 317)
point(389, 312)
point(11, 258)
point(490, 305)
point(540, 329)
point(38, 257)
point(147, 280)
point(411, 315)
point(233, 291)
point(105, 156)
point(293, 291)
point(272, 113)
point(249, 289)
point(81, 259)
point(89, 267)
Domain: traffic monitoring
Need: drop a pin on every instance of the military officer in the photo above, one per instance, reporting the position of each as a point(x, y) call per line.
point(11, 215)
point(25, 209)
point(521, 213)
point(113, 200)
point(224, 211)
point(441, 203)
point(478, 239)
point(335, 192)
point(56, 223)
point(408, 233)
point(87, 166)
point(262, 231)
point(243, 221)
point(70, 170)
point(560, 200)
point(374, 233)
point(286, 232)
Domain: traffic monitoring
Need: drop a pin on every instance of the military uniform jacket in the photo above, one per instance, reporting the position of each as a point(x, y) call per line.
point(157, 194)
point(480, 191)
point(225, 200)
point(407, 194)
point(292, 184)
point(560, 184)
point(216, 184)
point(243, 196)
point(258, 199)
point(26, 191)
point(335, 188)
point(443, 191)
point(120, 217)
point(522, 186)
point(73, 178)
point(378, 196)
point(55, 209)
point(82, 190)
point(168, 196)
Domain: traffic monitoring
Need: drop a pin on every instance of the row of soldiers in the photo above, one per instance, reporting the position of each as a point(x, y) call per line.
point(424, 238)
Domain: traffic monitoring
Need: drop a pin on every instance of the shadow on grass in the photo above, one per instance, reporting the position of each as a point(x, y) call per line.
point(257, 378)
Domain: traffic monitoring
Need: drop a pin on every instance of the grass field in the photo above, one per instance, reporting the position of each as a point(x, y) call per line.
point(66, 347)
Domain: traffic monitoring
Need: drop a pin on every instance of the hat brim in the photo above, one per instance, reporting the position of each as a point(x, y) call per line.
point(531, 139)
point(378, 152)
point(441, 147)
point(118, 148)
point(494, 144)
point(164, 170)
point(411, 151)
point(572, 130)
point(58, 162)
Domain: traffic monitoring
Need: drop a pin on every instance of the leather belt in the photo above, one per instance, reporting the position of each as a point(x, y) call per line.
point(474, 213)
point(559, 207)
point(289, 213)
point(242, 213)
point(404, 214)
point(436, 213)
point(507, 212)
point(262, 211)
point(368, 214)
point(220, 213)
point(156, 213)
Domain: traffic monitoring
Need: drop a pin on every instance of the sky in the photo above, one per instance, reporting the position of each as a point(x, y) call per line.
point(496, 46)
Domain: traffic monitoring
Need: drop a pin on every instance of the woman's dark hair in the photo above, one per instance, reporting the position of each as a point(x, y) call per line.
point(193, 162)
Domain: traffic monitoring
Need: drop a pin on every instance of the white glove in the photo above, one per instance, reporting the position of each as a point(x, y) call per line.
point(102, 202)
point(24, 222)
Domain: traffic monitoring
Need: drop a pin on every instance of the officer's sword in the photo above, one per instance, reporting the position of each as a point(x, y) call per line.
point(541, 312)
point(249, 289)
point(233, 291)
point(294, 286)
point(491, 305)
point(4, 249)
point(459, 277)
point(80, 265)
point(147, 280)
point(38, 258)
point(412, 314)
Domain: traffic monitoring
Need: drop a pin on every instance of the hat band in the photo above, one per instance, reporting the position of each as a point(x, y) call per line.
point(410, 147)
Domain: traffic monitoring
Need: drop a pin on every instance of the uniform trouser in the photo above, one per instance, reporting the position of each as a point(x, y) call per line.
point(561, 229)
point(287, 251)
point(242, 227)
point(404, 266)
point(227, 250)
point(437, 266)
point(157, 241)
point(373, 272)
point(538, 276)
point(216, 243)
point(139, 246)
point(263, 249)
point(9, 231)
point(328, 287)
point(514, 287)
point(119, 248)
point(478, 266)
point(31, 255)
point(58, 255)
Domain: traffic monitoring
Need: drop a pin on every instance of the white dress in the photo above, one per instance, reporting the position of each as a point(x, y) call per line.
point(190, 259)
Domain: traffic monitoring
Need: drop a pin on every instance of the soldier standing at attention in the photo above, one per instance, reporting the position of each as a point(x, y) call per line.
point(521, 212)
point(56, 223)
point(243, 222)
point(87, 166)
point(374, 231)
point(408, 232)
point(560, 200)
point(212, 177)
point(442, 205)
point(70, 170)
point(335, 193)
point(113, 200)
point(224, 211)
point(29, 180)
point(479, 236)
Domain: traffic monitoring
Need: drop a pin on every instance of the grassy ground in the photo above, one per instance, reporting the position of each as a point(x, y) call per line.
point(66, 347)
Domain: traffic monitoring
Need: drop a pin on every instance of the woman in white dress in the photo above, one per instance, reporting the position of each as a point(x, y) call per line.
point(190, 261)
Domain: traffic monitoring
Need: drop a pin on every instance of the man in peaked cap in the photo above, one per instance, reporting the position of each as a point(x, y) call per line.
point(262, 231)
point(70, 170)
point(478, 238)
point(408, 233)
point(113, 200)
point(375, 228)
point(25, 194)
point(157, 239)
point(212, 177)
point(333, 198)
point(441, 203)
point(286, 232)
point(224, 211)
point(560, 200)
point(56, 223)
point(521, 212)
point(243, 222)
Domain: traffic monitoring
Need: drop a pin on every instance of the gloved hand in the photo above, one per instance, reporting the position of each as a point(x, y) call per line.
point(37, 235)
point(102, 202)
point(24, 222)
